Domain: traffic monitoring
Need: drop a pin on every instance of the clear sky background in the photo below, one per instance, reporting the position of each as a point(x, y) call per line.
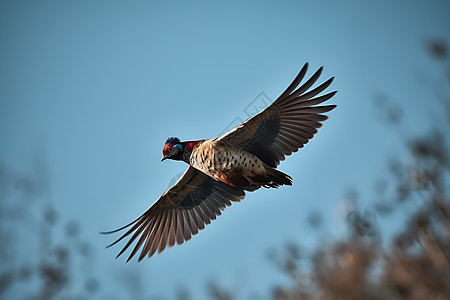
point(95, 88)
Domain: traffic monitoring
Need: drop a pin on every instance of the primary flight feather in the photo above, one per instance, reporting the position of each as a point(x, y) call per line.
point(222, 169)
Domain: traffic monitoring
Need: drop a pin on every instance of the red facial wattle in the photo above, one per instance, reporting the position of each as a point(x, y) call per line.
point(167, 149)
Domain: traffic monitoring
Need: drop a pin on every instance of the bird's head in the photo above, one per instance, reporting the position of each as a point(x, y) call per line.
point(172, 149)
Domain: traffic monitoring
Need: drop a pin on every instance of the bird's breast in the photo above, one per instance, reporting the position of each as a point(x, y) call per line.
point(227, 164)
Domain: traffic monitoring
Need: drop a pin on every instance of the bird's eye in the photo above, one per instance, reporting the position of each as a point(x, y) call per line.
point(169, 150)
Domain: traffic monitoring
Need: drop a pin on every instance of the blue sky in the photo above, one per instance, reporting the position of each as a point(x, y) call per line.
point(97, 87)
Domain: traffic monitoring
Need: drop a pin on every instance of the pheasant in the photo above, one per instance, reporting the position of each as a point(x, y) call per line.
point(222, 169)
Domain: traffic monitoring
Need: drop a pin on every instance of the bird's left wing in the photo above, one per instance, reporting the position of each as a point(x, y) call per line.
point(184, 209)
point(287, 124)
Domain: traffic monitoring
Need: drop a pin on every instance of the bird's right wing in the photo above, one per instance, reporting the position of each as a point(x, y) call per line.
point(184, 209)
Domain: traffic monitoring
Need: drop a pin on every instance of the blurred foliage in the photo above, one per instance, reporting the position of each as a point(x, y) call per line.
point(218, 292)
point(414, 263)
point(411, 264)
point(50, 267)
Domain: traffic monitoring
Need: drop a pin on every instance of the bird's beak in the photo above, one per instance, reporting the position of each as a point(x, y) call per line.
point(164, 157)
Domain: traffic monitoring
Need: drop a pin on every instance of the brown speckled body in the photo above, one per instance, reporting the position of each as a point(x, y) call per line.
point(228, 164)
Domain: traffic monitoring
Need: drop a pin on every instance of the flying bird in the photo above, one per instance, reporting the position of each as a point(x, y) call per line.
point(222, 169)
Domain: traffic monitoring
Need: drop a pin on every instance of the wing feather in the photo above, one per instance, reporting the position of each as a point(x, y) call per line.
point(147, 244)
point(165, 232)
point(204, 214)
point(172, 231)
point(156, 237)
point(199, 218)
point(186, 226)
point(179, 233)
point(141, 239)
point(133, 237)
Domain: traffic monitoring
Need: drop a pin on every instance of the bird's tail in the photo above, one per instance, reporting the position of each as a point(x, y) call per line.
point(277, 178)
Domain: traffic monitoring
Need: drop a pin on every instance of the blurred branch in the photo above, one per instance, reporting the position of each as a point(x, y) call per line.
point(26, 205)
point(415, 263)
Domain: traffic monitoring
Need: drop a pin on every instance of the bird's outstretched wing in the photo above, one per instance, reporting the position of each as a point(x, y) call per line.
point(184, 209)
point(287, 124)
